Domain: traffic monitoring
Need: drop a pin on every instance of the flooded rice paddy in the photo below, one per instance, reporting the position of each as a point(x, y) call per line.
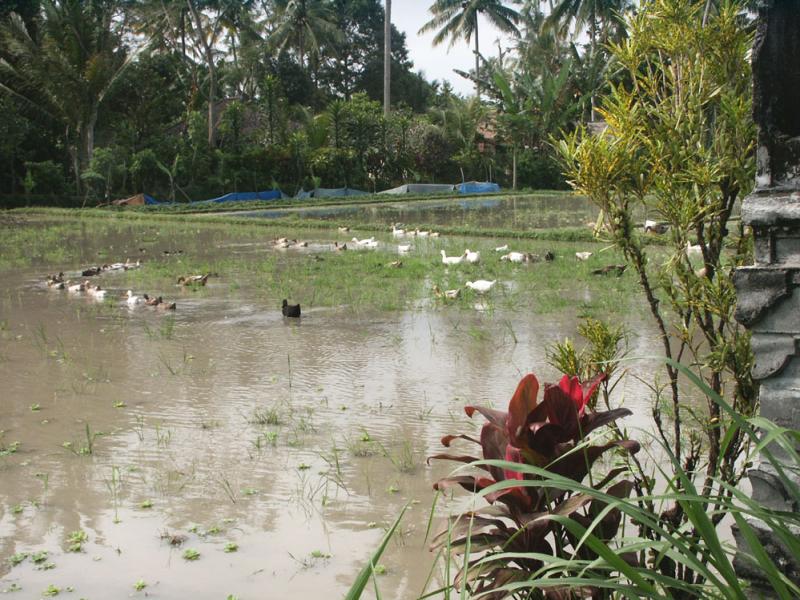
point(517, 212)
point(222, 451)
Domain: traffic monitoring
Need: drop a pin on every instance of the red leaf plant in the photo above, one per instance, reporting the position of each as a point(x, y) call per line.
point(551, 434)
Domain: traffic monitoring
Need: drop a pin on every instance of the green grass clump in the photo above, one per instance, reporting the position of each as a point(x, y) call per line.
point(191, 554)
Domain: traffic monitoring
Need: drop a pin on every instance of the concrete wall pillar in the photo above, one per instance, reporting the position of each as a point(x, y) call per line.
point(769, 291)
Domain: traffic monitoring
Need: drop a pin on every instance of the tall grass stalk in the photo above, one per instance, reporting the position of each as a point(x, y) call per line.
point(368, 571)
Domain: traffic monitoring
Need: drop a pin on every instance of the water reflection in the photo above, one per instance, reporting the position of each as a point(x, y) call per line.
point(299, 442)
point(526, 212)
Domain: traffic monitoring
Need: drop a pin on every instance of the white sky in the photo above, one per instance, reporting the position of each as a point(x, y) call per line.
point(438, 62)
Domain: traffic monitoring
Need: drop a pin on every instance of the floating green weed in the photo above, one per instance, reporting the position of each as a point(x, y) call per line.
point(75, 541)
point(190, 554)
point(7, 449)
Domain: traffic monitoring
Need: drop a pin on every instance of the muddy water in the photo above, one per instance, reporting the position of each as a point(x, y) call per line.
point(224, 423)
point(528, 212)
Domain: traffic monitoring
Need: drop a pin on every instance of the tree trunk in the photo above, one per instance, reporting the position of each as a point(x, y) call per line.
point(477, 63)
point(593, 43)
point(387, 58)
point(88, 148)
point(212, 108)
point(514, 167)
point(208, 52)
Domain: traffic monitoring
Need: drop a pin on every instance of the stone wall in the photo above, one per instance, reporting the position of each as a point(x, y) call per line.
point(769, 291)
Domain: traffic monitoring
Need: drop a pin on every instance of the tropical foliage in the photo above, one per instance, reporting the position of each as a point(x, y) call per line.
point(530, 518)
point(680, 146)
point(196, 98)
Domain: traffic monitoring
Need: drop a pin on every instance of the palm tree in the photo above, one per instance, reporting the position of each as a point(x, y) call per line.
point(459, 19)
point(600, 16)
point(305, 25)
point(67, 69)
point(387, 57)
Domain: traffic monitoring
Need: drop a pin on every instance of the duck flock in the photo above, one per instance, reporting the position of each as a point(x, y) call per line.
point(468, 257)
point(60, 282)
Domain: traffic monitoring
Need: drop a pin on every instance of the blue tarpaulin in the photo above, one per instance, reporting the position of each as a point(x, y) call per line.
point(243, 196)
point(478, 187)
point(232, 197)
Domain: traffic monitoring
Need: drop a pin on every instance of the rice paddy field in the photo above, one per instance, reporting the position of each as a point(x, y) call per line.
point(221, 450)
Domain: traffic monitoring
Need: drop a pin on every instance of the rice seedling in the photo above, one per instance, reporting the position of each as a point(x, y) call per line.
point(114, 486)
point(85, 447)
point(163, 435)
point(139, 585)
point(266, 416)
point(227, 488)
point(45, 479)
point(404, 459)
point(139, 427)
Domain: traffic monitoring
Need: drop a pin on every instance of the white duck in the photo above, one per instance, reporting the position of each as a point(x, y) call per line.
point(481, 285)
point(398, 232)
point(503, 248)
point(472, 258)
point(97, 293)
point(695, 250)
point(404, 248)
point(514, 257)
point(435, 234)
point(133, 300)
point(451, 260)
point(364, 242)
point(369, 244)
point(583, 255)
point(75, 288)
point(422, 233)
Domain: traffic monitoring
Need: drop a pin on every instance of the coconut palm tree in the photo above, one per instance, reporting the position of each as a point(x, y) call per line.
point(601, 17)
point(387, 57)
point(67, 68)
point(457, 19)
point(304, 25)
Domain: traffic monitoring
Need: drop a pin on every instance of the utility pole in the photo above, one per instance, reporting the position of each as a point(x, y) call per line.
point(387, 58)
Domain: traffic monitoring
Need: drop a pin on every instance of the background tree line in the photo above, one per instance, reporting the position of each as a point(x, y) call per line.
point(193, 98)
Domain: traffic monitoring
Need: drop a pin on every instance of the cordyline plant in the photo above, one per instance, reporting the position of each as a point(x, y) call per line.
point(503, 543)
